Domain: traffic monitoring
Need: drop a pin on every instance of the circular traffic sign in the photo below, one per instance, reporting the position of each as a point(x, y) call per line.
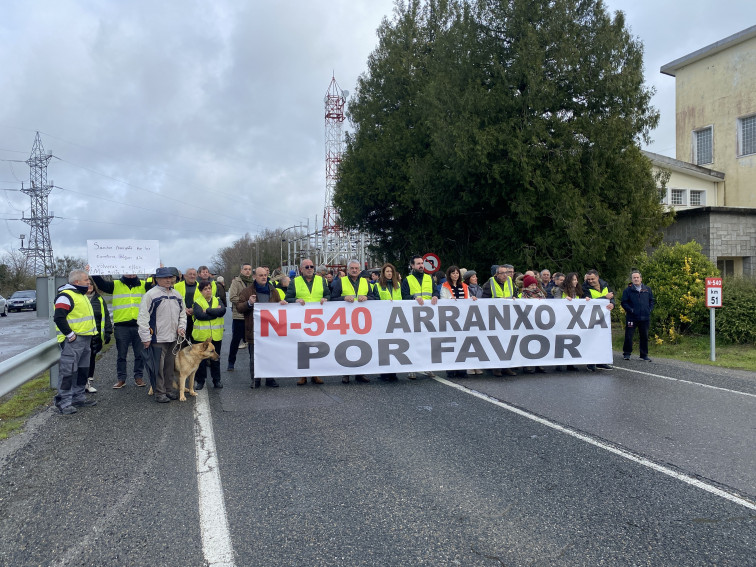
point(431, 263)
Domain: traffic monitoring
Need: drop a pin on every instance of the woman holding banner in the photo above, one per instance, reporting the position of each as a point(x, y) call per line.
point(387, 288)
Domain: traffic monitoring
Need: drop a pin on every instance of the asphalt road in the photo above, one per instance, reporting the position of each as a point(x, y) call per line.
point(20, 331)
point(406, 473)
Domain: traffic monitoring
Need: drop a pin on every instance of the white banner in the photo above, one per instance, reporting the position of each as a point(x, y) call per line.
point(401, 336)
point(111, 257)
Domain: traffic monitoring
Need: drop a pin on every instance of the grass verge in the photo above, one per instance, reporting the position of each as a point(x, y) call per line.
point(19, 405)
point(696, 349)
point(23, 402)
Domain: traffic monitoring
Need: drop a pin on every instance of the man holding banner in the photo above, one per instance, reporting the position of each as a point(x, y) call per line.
point(500, 286)
point(351, 288)
point(261, 291)
point(308, 288)
point(418, 286)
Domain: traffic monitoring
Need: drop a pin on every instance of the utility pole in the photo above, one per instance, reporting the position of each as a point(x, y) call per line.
point(39, 255)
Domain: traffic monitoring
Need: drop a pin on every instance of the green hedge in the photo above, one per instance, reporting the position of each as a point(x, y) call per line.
point(736, 319)
point(676, 275)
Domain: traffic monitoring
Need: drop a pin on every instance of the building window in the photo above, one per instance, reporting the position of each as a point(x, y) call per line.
point(697, 198)
point(747, 135)
point(703, 144)
point(677, 197)
point(726, 267)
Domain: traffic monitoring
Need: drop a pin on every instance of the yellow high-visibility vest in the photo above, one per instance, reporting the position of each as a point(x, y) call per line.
point(393, 293)
point(126, 301)
point(348, 289)
point(81, 317)
point(304, 293)
point(212, 328)
point(424, 290)
point(505, 290)
point(596, 294)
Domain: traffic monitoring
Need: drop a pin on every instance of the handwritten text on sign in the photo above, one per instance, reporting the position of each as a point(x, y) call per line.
point(401, 336)
point(123, 256)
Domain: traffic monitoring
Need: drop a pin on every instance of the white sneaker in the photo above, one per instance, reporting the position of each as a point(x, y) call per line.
point(471, 372)
point(89, 388)
point(429, 374)
point(411, 376)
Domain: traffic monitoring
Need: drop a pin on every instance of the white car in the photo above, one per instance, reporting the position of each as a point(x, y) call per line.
point(3, 307)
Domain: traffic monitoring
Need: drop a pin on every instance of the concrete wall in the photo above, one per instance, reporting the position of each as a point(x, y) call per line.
point(722, 232)
point(716, 91)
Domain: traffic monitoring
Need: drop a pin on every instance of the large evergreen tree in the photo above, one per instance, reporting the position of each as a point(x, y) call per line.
point(492, 131)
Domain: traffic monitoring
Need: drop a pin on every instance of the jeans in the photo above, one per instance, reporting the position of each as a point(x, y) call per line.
point(126, 336)
point(237, 334)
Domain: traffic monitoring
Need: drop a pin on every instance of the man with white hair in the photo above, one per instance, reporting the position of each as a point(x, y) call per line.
point(75, 320)
point(304, 289)
point(351, 288)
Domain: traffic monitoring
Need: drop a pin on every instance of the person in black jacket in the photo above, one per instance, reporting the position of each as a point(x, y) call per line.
point(638, 303)
point(104, 330)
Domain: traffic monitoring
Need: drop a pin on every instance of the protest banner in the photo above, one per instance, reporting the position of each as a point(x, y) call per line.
point(401, 336)
point(110, 257)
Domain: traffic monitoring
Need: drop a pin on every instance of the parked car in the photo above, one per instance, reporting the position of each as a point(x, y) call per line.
point(3, 306)
point(25, 299)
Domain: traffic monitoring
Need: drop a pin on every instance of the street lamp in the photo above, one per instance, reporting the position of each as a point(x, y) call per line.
point(282, 241)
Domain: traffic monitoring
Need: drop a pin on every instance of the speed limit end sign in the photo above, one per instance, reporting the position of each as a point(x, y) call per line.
point(713, 292)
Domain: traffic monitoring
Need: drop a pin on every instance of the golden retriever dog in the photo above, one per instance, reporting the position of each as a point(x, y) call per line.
point(185, 367)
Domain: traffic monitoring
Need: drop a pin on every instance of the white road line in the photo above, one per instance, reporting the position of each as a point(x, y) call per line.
point(612, 449)
point(684, 381)
point(216, 539)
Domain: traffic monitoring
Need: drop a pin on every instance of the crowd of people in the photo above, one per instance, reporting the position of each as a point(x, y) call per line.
point(156, 315)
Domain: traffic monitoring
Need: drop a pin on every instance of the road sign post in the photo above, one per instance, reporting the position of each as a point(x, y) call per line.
point(713, 300)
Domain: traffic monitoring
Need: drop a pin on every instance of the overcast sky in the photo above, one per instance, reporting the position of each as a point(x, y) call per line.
point(207, 117)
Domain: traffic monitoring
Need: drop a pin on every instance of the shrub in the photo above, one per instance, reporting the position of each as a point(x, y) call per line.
point(736, 319)
point(676, 275)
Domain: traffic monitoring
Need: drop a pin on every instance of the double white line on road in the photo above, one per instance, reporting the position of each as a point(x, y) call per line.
point(611, 448)
point(216, 539)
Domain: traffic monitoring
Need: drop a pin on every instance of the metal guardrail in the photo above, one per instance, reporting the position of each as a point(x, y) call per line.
point(25, 366)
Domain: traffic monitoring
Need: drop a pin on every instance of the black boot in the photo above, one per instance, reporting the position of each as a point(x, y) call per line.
point(256, 383)
point(271, 383)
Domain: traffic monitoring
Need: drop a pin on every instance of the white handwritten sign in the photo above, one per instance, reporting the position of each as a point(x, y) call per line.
point(123, 256)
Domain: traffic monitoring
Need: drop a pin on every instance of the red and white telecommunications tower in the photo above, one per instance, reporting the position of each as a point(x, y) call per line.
point(335, 240)
point(335, 100)
point(338, 245)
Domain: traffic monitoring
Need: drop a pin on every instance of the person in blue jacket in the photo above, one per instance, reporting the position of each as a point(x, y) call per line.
point(638, 303)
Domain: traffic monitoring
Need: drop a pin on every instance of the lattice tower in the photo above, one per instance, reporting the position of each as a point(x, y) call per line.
point(39, 254)
point(337, 243)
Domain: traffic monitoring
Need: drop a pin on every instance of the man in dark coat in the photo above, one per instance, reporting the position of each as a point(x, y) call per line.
point(261, 291)
point(638, 303)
